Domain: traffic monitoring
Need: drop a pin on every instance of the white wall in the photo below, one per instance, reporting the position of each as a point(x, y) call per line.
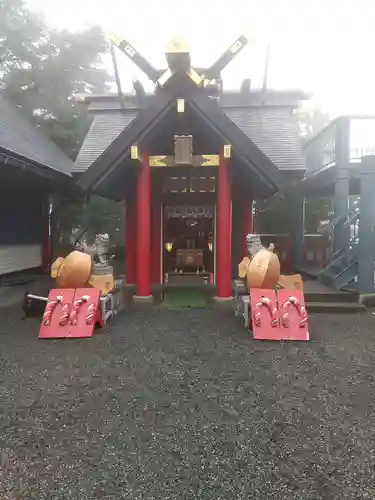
point(19, 257)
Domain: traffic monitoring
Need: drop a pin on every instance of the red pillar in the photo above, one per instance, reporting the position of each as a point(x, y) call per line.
point(143, 229)
point(131, 240)
point(156, 241)
point(248, 223)
point(224, 230)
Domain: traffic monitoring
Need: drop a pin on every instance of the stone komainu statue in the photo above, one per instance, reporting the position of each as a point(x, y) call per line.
point(254, 244)
point(101, 248)
point(98, 250)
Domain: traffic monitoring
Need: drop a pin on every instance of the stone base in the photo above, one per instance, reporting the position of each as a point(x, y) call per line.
point(222, 300)
point(102, 269)
point(148, 299)
point(367, 299)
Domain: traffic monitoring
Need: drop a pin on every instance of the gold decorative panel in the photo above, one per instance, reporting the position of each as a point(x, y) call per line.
point(180, 105)
point(165, 77)
point(134, 153)
point(157, 161)
point(227, 151)
point(210, 160)
point(195, 77)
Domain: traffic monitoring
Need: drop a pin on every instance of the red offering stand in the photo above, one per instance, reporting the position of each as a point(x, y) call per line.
point(71, 313)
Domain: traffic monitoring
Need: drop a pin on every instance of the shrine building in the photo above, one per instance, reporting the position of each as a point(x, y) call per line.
point(32, 171)
point(189, 161)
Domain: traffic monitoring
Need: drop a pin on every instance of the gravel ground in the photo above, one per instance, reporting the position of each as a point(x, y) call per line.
point(169, 404)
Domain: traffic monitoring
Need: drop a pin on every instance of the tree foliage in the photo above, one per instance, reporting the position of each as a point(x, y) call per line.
point(273, 215)
point(42, 69)
point(311, 119)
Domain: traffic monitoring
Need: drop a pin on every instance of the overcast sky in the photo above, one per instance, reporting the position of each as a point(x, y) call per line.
point(323, 46)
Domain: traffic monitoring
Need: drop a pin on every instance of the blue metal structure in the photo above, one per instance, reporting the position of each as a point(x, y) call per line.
point(341, 163)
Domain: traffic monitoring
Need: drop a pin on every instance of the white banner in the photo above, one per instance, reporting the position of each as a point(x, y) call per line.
point(189, 212)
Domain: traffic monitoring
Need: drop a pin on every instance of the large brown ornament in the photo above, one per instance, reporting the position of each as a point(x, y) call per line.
point(291, 282)
point(75, 270)
point(263, 270)
point(243, 267)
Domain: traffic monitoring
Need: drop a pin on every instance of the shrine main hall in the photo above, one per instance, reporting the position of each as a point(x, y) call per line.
point(189, 161)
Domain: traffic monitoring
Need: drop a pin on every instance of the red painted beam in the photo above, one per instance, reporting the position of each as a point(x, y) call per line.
point(143, 229)
point(223, 239)
point(156, 240)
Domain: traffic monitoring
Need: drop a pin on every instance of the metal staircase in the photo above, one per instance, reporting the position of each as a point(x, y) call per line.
point(337, 167)
point(342, 272)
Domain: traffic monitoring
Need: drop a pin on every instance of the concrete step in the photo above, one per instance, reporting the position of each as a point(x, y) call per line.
point(335, 307)
point(188, 279)
point(332, 297)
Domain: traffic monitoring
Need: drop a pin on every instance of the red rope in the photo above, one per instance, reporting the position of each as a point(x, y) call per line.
point(50, 307)
point(264, 301)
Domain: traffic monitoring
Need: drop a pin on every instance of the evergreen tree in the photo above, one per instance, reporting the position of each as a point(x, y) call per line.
point(42, 69)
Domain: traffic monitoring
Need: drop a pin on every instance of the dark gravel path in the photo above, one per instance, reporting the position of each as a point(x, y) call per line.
point(170, 404)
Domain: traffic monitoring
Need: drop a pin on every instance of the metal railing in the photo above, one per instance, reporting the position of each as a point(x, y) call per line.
point(321, 149)
point(345, 139)
point(342, 269)
point(357, 153)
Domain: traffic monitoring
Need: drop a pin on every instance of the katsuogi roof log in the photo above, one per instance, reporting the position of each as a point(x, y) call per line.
point(178, 59)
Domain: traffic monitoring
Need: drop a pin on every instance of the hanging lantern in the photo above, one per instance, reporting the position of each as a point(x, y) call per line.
point(169, 246)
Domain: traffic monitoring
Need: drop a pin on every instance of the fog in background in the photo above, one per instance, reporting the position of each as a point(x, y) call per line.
point(326, 47)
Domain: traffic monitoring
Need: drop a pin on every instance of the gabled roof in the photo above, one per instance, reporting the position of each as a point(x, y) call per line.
point(274, 131)
point(242, 145)
point(148, 119)
point(105, 128)
point(23, 140)
point(271, 127)
point(119, 150)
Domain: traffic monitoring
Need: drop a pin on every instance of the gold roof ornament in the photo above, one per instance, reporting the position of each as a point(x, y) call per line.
point(178, 57)
point(177, 46)
point(80, 98)
point(134, 152)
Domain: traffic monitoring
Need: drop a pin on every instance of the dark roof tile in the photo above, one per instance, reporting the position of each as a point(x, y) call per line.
point(273, 130)
point(23, 138)
point(105, 128)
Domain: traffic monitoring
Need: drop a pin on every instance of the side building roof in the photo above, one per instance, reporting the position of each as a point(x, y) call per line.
point(105, 128)
point(21, 139)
